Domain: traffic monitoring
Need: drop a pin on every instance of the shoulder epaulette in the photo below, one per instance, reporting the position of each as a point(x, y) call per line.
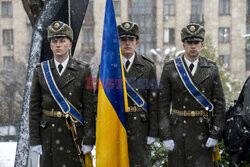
point(38, 65)
point(212, 62)
point(150, 60)
point(82, 62)
point(169, 61)
point(208, 60)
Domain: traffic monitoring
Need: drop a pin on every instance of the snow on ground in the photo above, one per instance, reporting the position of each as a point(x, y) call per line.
point(7, 154)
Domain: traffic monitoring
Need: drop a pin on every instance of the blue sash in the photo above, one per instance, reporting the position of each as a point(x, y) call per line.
point(135, 97)
point(192, 89)
point(64, 104)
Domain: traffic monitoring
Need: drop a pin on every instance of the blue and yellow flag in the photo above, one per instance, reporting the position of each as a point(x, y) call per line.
point(111, 135)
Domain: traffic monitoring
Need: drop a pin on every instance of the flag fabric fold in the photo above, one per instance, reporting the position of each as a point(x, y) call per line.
point(111, 135)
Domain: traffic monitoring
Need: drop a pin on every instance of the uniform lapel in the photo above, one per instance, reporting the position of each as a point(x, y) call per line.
point(68, 75)
point(136, 70)
point(202, 72)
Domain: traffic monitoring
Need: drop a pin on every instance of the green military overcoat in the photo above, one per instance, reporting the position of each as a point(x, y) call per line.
point(140, 125)
point(51, 132)
point(190, 133)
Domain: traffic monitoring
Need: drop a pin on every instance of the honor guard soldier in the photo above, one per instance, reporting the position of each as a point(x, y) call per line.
point(61, 116)
point(191, 104)
point(236, 135)
point(141, 118)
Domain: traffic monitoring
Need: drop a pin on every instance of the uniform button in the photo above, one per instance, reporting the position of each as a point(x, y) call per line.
point(203, 91)
point(70, 93)
point(184, 107)
point(53, 125)
point(136, 90)
point(201, 120)
point(135, 118)
point(184, 121)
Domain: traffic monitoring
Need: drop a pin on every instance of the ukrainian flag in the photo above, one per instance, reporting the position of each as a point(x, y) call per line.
point(111, 135)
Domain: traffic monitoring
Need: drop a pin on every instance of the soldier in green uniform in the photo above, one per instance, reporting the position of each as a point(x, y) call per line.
point(49, 133)
point(140, 72)
point(188, 127)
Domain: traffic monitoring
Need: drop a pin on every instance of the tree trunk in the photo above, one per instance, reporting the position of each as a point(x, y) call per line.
point(33, 9)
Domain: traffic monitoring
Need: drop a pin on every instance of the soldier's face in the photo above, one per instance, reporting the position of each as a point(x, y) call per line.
point(128, 46)
point(193, 48)
point(60, 46)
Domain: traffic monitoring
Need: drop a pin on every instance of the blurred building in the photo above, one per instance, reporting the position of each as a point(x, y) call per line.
point(15, 32)
point(225, 21)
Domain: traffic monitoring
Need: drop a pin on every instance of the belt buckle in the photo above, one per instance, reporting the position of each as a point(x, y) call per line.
point(59, 114)
point(192, 113)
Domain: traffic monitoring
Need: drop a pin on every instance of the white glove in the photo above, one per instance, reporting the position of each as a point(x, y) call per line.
point(211, 142)
point(168, 144)
point(86, 149)
point(37, 149)
point(150, 140)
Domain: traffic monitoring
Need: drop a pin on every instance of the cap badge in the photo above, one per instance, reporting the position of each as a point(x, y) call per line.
point(127, 25)
point(192, 28)
point(56, 25)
